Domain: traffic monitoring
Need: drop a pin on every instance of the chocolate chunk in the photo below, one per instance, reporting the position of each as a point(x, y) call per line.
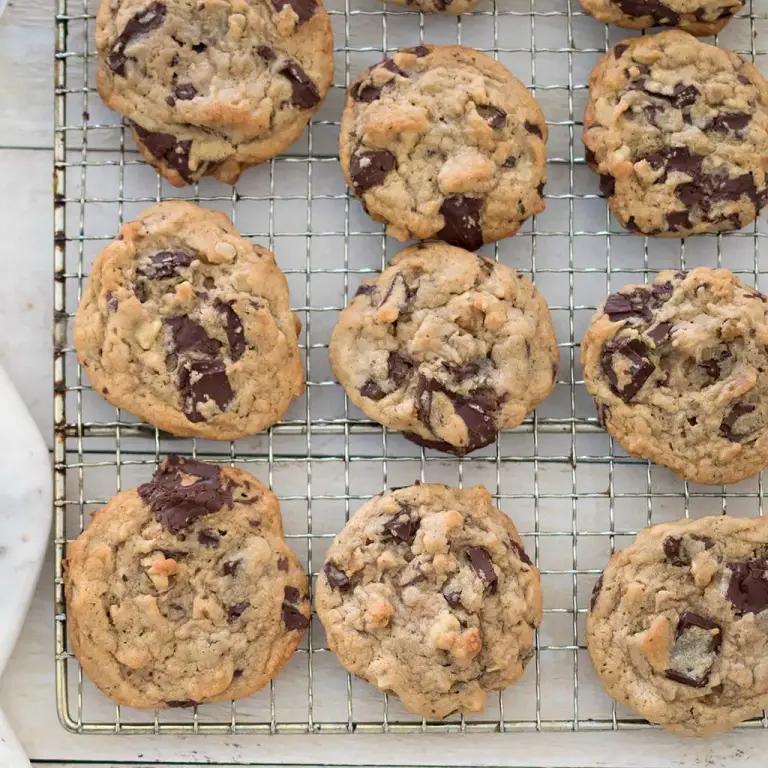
point(372, 390)
point(697, 643)
point(510, 162)
point(534, 129)
point(199, 47)
point(640, 368)
point(520, 552)
point(369, 169)
point(744, 80)
point(144, 21)
point(618, 50)
point(166, 264)
point(461, 217)
point(607, 184)
point(728, 121)
point(465, 370)
point(441, 5)
point(291, 594)
point(293, 618)
point(676, 159)
point(366, 289)
point(590, 158)
point(482, 565)
point(365, 93)
point(662, 291)
point(208, 537)
point(661, 333)
point(673, 552)
point(282, 564)
point(181, 704)
point(419, 51)
point(111, 302)
point(453, 598)
point(229, 567)
point(402, 527)
point(748, 587)
point(165, 148)
point(337, 579)
point(657, 10)
point(266, 53)
point(304, 92)
point(679, 220)
point(200, 381)
point(595, 592)
point(236, 611)
point(177, 502)
point(233, 327)
point(495, 117)
point(399, 368)
point(711, 367)
point(185, 91)
point(727, 424)
point(409, 292)
point(304, 9)
point(477, 411)
point(622, 306)
point(390, 66)
point(189, 336)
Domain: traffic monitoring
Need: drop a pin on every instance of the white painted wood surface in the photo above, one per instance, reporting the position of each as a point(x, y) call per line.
point(26, 691)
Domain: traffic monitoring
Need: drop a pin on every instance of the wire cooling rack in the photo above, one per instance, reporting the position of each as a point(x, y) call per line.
point(575, 496)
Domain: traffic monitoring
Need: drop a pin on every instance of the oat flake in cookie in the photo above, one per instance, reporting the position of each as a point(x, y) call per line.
point(679, 373)
point(211, 88)
point(186, 325)
point(444, 143)
point(678, 624)
point(428, 593)
point(447, 347)
point(183, 590)
point(699, 17)
point(678, 131)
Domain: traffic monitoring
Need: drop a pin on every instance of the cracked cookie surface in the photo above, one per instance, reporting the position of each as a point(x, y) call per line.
point(447, 347)
point(679, 373)
point(678, 131)
point(213, 88)
point(427, 592)
point(183, 591)
point(444, 142)
point(678, 624)
point(698, 17)
point(187, 325)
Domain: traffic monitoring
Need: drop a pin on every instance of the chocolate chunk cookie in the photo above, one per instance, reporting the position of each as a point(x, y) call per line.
point(699, 17)
point(183, 590)
point(444, 143)
point(679, 373)
point(447, 347)
point(678, 131)
point(678, 625)
point(428, 593)
point(213, 88)
point(186, 325)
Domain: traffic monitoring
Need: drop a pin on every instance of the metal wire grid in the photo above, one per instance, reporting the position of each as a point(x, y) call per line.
point(573, 494)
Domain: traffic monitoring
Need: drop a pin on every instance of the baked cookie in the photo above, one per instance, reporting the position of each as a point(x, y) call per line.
point(428, 593)
point(678, 131)
point(679, 373)
point(183, 590)
point(444, 143)
point(699, 17)
point(448, 7)
point(447, 347)
point(186, 325)
point(213, 88)
point(678, 624)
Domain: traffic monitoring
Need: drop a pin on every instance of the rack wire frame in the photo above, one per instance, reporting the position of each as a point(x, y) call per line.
point(86, 441)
